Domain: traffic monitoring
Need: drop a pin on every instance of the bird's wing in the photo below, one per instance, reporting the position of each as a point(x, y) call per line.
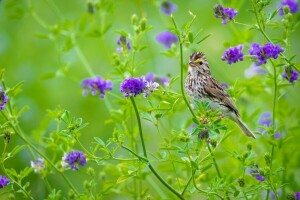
point(213, 88)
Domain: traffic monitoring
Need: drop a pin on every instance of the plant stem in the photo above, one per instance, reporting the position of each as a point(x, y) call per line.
point(82, 57)
point(214, 160)
point(187, 184)
point(145, 153)
point(20, 134)
point(181, 69)
point(140, 126)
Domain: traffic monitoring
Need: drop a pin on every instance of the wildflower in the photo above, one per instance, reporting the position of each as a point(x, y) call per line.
point(203, 134)
point(290, 75)
point(265, 119)
point(73, 160)
point(168, 7)
point(254, 172)
point(122, 43)
point(167, 38)
point(96, 84)
point(262, 53)
point(3, 99)
point(154, 78)
point(224, 13)
point(38, 165)
point(4, 181)
point(277, 135)
point(224, 85)
point(297, 195)
point(292, 5)
point(135, 86)
point(254, 70)
point(150, 87)
point(233, 54)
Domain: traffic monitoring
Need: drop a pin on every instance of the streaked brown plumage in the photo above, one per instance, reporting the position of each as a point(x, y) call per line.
point(200, 85)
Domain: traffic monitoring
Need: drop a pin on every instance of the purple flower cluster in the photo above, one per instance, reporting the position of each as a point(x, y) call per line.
point(233, 54)
point(297, 195)
point(96, 84)
point(224, 13)
point(4, 181)
point(73, 160)
point(291, 75)
point(291, 4)
point(123, 43)
point(255, 173)
point(38, 165)
point(265, 119)
point(224, 85)
point(167, 39)
point(168, 7)
point(135, 86)
point(151, 77)
point(3, 99)
point(262, 53)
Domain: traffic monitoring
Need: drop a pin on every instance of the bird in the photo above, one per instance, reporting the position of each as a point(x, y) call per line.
point(200, 85)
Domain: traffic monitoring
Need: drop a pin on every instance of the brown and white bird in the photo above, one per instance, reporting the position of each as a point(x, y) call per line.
point(201, 86)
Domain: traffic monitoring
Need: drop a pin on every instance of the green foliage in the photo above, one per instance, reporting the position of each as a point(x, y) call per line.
point(158, 147)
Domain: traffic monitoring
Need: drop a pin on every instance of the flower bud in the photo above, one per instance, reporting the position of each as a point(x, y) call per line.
point(143, 24)
point(267, 158)
point(241, 182)
point(134, 19)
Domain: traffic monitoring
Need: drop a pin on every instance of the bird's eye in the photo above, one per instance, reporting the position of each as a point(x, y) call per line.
point(200, 62)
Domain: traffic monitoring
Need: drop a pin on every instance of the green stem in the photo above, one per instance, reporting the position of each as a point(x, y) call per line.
point(214, 161)
point(140, 126)
point(20, 134)
point(187, 184)
point(82, 57)
point(181, 70)
point(145, 152)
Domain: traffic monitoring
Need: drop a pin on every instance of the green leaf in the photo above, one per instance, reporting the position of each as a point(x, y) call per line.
point(204, 38)
point(194, 165)
point(123, 178)
point(236, 193)
point(16, 150)
point(99, 141)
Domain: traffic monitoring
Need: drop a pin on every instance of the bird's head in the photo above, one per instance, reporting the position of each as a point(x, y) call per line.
point(198, 62)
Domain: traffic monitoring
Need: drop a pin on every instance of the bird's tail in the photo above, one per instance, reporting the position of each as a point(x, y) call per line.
point(244, 127)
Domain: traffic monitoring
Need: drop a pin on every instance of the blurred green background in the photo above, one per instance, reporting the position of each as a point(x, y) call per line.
point(28, 57)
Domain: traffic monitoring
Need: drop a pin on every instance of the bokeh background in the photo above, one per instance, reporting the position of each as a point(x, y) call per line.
point(50, 80)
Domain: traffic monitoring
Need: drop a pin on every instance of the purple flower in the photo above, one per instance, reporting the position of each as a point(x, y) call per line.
point(291, 4)
point(150, 87)
point(260, 177)
point(277, 135)
point(254, 70)
point(167, 38)
point(265, 119)
point(291, 75)
point(150, 77)
point(73, 160)
point(154, 78)
point(96, 84)
point(165, 81)
point(254, 172)
point(262, 53)
point(233, 54)
point(135, 86)
point(224, 85)
point(224, 13)
point(3, 181)
point(122, 43)
point(168, 7)
point(297, 195)
point(38, 165)
point(3, 99)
